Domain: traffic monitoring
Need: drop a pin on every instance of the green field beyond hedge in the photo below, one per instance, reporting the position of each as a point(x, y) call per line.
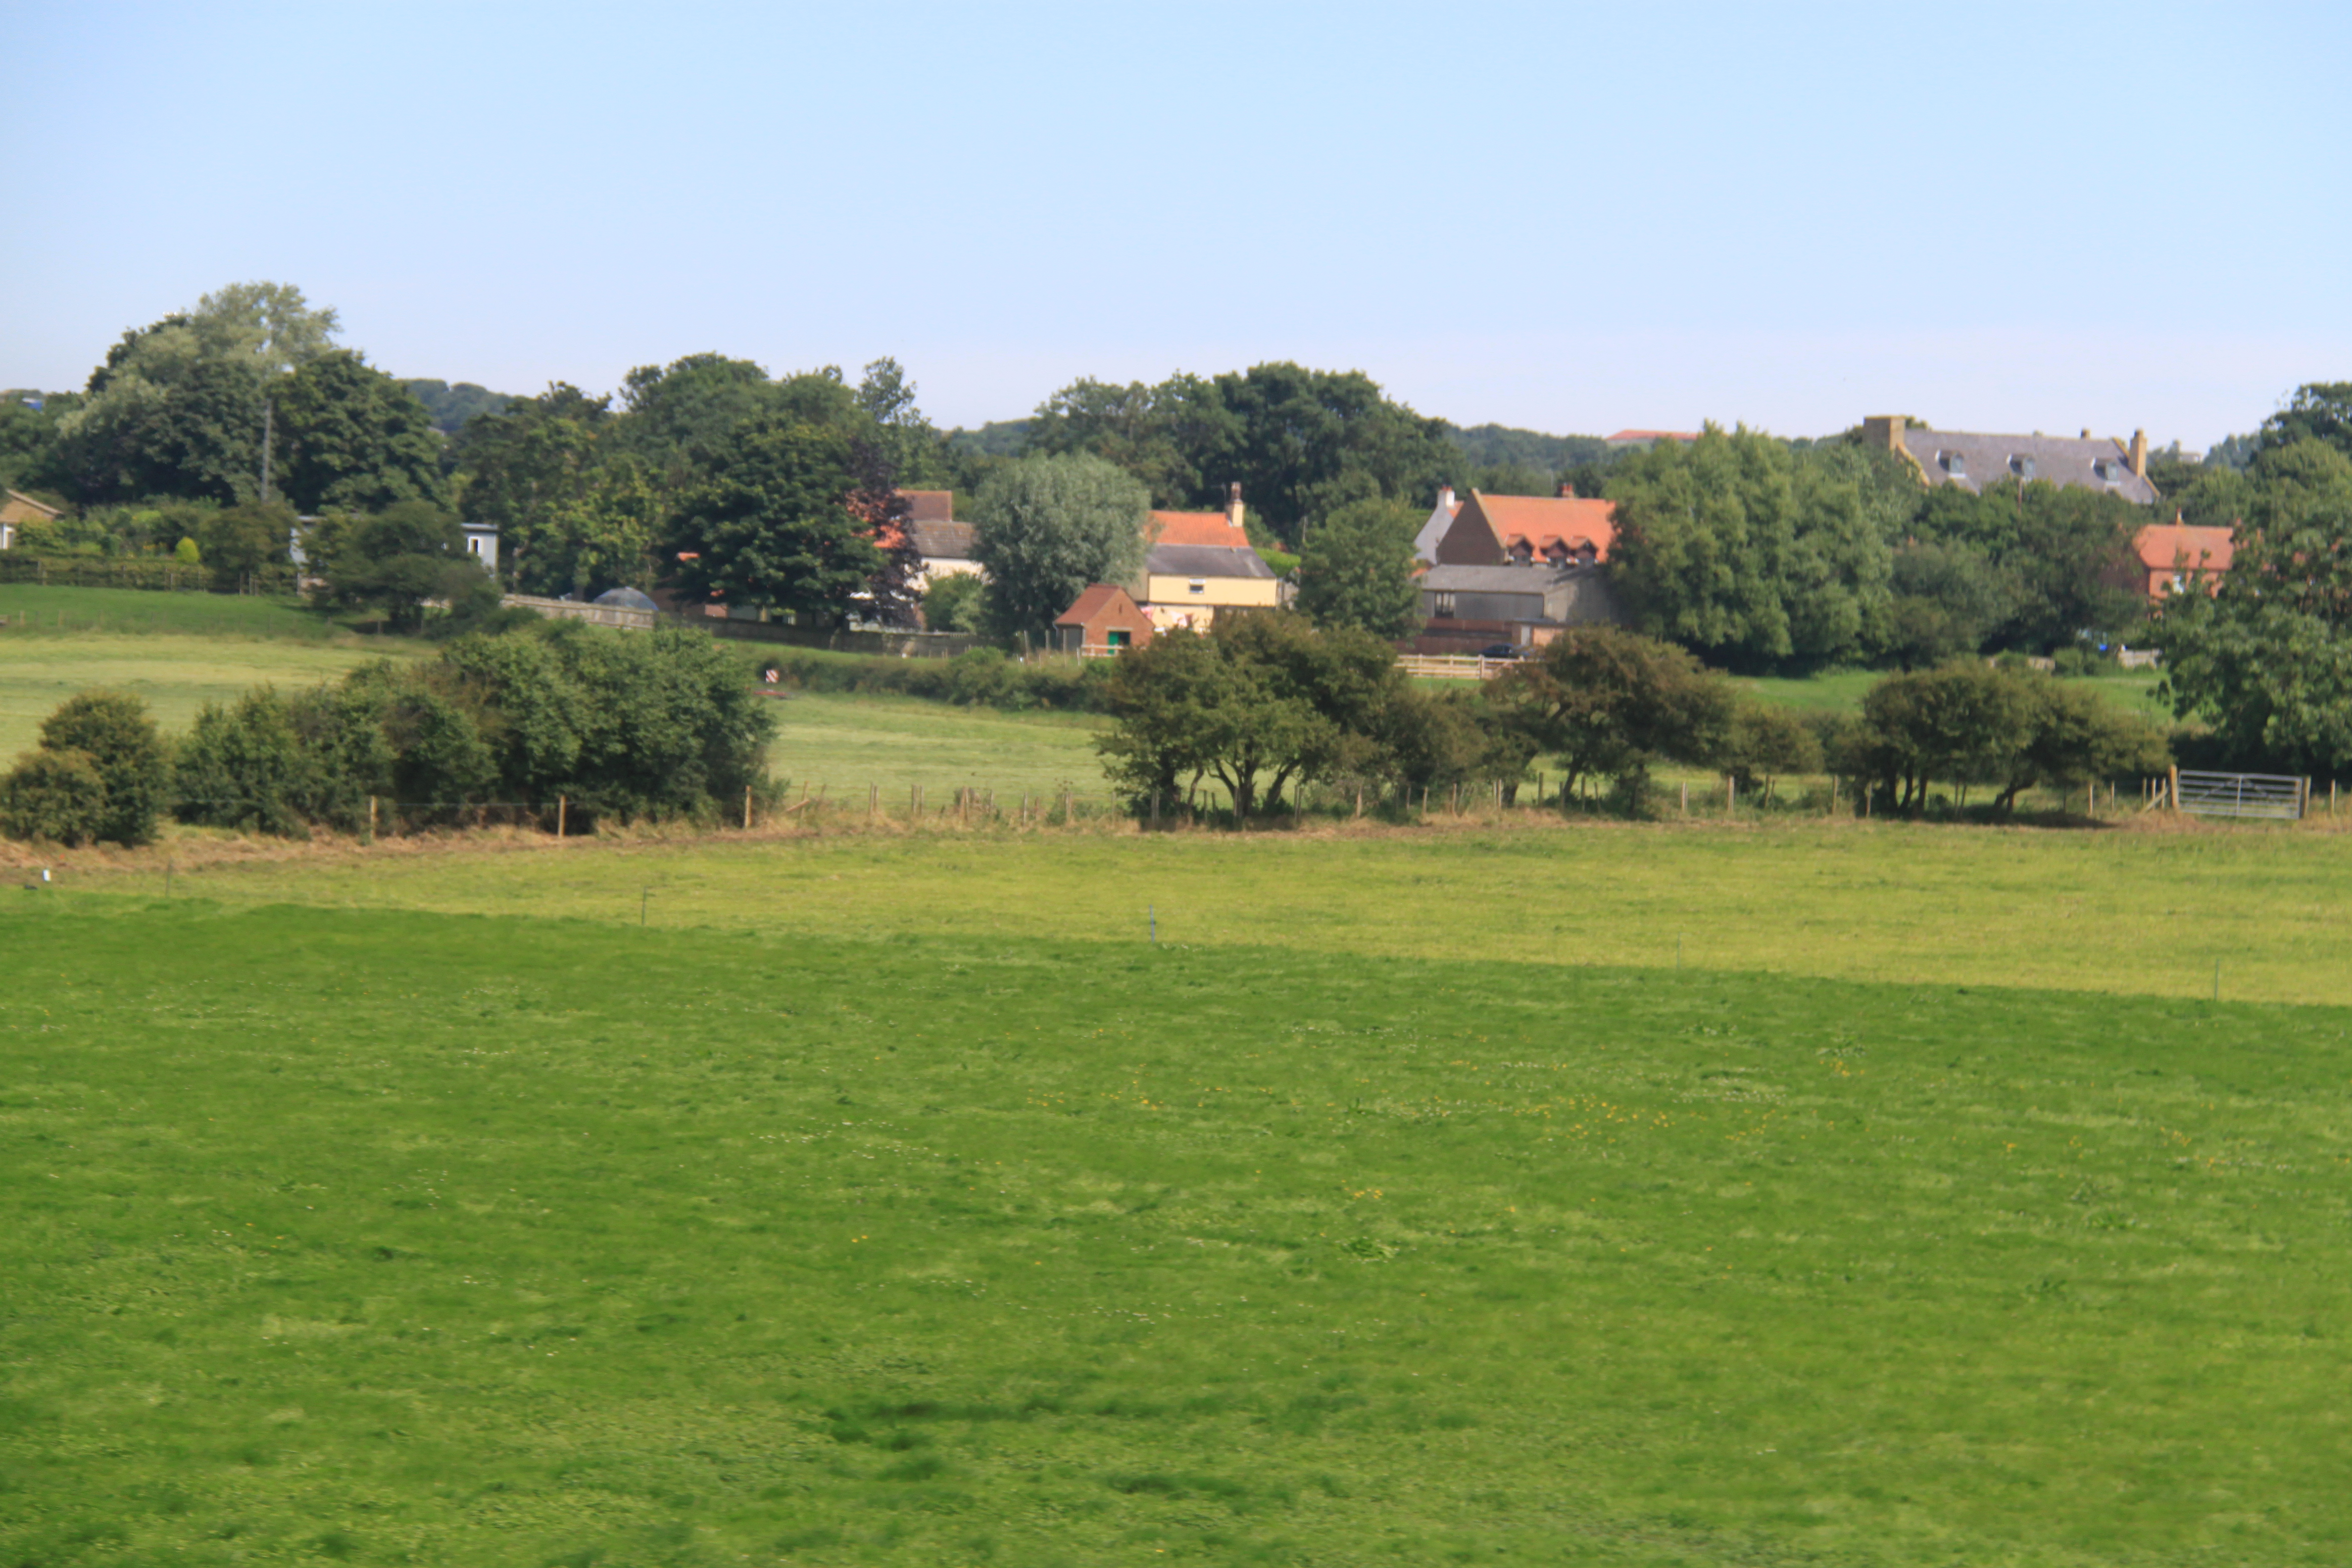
point(389, 1237)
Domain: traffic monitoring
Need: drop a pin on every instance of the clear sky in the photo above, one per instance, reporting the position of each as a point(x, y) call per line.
point(1568, 217)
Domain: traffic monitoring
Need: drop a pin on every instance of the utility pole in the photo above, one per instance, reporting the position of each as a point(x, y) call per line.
point(269, 429)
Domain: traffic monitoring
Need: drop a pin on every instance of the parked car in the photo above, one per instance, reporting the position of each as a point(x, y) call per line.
point(1499, 650)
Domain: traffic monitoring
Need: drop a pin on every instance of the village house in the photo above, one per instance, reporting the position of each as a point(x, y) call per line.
point(2175, 558)
point(17, 508)
point(1507, 531)
point(1515, 568)
point(1972, 460)
point(1103, 620)
point(1199, 565)
point(945, 545)
point(1440, 521)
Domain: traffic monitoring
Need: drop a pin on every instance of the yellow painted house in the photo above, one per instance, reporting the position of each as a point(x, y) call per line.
point(1199, 564)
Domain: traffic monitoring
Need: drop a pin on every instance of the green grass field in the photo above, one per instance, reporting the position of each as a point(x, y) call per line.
point(179, 651)
point(1842, 691)
point(846, 742)
point(400, 1237)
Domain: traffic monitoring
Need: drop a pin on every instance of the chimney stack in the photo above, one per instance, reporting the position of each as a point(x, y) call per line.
point(1884, 430)
point(2139, 454)
point(1445, 496)
point(1567, 490)
point(1233, 506)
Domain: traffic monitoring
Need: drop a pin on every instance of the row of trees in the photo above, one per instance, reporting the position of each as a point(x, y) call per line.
point(623, 726)
point(1267, 705)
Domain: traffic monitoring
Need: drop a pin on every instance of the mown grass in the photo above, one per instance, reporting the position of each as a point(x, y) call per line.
point(178, 651)
point(2125, 910)
point(389, 1237)
point(1842, 691)
point(844, 743)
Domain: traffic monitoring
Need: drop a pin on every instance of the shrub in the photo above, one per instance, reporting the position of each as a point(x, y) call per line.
point(54, 796)
point(246, 766)
point(114, 730)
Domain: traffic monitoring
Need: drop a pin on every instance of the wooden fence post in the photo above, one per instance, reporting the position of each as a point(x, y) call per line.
point(2172, 785)
point(1731, 794)
point(562, 809)
point(747, 808)
point(371, 819)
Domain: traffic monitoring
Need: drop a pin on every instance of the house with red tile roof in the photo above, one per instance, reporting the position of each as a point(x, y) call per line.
point(1649, 437)
point(1199, 564)
point(2176, 557)
point(1103, 619)
point(1519, 531)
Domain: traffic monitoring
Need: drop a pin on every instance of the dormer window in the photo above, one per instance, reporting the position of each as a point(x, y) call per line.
point(2107, 472)
point(2021, 465)
point(1953, 463)
point(1199, 585)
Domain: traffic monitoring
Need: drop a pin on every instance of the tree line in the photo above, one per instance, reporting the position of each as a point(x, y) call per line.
point(1267, 706)
point(622, 727)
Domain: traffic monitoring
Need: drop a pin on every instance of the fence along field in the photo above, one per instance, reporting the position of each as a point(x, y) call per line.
point(532, 1241)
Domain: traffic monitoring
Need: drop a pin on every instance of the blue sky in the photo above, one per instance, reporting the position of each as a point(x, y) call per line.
point(1568, 217)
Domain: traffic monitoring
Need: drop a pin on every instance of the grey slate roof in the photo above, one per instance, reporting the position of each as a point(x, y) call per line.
point(1971, 460)
point(1206, 560)
point(942, 541)
point(1493, 579)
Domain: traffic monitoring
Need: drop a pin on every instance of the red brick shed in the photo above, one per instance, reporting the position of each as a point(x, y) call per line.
point(1103, 620)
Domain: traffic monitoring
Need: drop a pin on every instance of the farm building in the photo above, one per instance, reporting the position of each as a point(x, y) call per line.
point(17, 509)
point(1103, 619)
point(1467, 607)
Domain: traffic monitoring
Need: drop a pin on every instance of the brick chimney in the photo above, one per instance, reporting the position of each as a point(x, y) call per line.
point(2139, 453)
point(1445, 496)
point(1884, 430)
point(1567, 490)
point(1233, 506)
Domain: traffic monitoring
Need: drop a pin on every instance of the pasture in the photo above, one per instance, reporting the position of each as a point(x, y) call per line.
point(390, 1236)
point(178, 651)
point(2141, 907)
point(841, 744)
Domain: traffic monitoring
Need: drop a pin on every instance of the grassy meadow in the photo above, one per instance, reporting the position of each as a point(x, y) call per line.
point(843, 744)
point(178, 651)
point(388, 1236)
point(2128, 907)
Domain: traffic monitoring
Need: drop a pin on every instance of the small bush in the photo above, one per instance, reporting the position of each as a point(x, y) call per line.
point(53, 795)
point(110, 735)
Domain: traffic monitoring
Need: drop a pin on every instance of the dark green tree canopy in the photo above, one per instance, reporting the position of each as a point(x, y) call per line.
point(771, 527)
point(351, 437)
point(1354, 569)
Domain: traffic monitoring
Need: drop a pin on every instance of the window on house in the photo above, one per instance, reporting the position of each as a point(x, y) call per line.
point(1446, 604)
point(1200, 585)
point(1953, 463)
point(1119, 640)
point(2021, 465)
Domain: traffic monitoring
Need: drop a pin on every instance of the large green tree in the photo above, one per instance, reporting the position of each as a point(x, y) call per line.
point(400, 561)
point(771, 526)
point(351, 437)
point(1050, 526)
point(2266, 660)
point(532, 470)
point(1610, 702)
point(2318, 411)
point(1354, 569)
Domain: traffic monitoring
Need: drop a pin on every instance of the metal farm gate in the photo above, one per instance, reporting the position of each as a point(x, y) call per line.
point(2276, 796)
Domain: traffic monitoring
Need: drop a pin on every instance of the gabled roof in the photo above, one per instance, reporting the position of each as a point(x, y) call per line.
point(1573, 521)
point(1090, 605)
point(19, 499)
point(938, 540)
point(2162, 545)
point(1213, 528)
point(929, 506)
point(1206, 560)
point(1969, 459)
